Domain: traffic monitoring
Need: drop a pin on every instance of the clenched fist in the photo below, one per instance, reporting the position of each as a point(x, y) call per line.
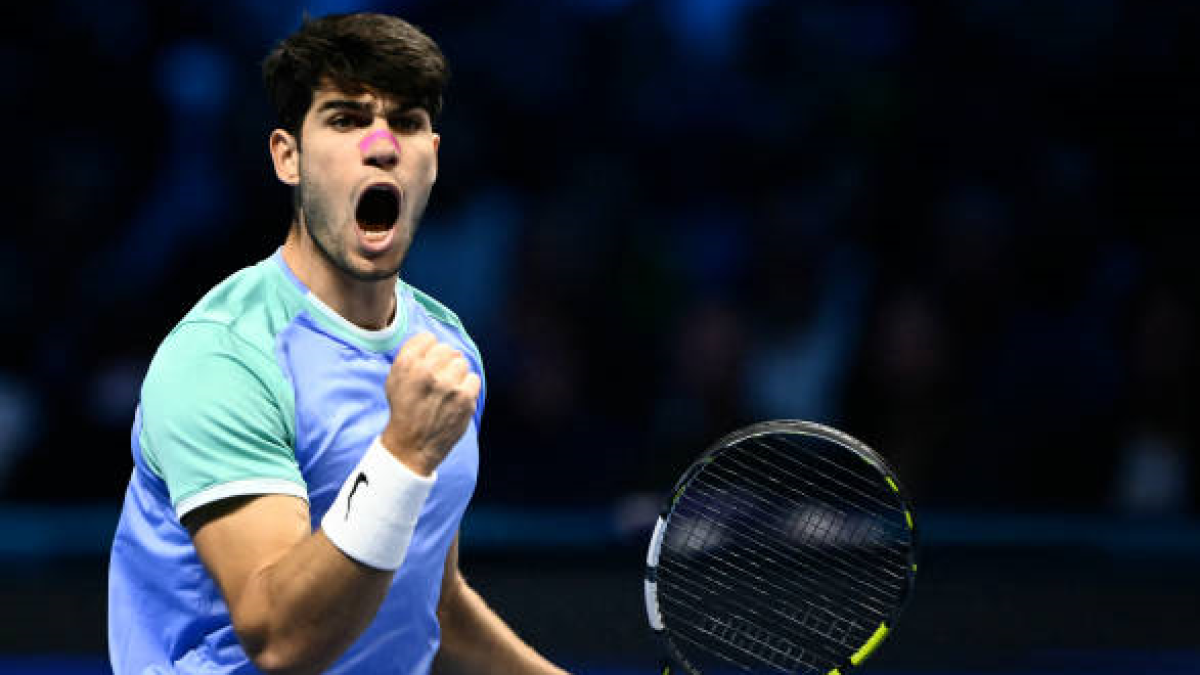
point(432, 394)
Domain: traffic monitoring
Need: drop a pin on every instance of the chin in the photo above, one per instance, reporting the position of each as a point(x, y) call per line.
point(379, 266)
point(373, 271)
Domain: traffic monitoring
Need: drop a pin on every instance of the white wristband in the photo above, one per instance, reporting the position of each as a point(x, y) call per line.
point(373, 518)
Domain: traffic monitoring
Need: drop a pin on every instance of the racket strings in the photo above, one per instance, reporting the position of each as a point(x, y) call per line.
point(813, 560)
point(798, 556)
point(834, 520)
point(866, 479)
point(759, 560)
point(897, 512)
point(725, 656)
point(889, 526)
point(824, 532)
point(714, 595)
point(738, 610)
point(697, 576)
point(893, 519)
point(775, 641)
point(791, 614)
point(814, 584)
point(883, 524)
point(780, 644)
point(792, 656)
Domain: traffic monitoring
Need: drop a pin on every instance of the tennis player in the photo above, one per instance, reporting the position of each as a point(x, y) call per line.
point(306, 439)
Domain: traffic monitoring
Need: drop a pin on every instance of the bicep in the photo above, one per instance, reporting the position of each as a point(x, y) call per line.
point(238, 538)
point(214, 427)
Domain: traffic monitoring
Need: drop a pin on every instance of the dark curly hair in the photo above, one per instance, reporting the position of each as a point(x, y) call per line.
point(356, 53)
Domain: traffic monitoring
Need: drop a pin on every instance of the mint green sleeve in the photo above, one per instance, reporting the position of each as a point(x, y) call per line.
point(218, 419)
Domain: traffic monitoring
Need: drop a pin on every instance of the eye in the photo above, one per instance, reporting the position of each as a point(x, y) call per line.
point(344, 122)
point(409, 123)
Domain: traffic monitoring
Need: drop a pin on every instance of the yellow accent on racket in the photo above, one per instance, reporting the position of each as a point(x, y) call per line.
point(865, 651)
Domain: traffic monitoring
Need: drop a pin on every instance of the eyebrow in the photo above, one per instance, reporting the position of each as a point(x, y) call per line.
point(362, 107)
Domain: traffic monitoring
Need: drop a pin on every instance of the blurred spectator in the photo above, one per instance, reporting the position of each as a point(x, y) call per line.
point(20, 422)
point(904, 400)
point(1156, 470)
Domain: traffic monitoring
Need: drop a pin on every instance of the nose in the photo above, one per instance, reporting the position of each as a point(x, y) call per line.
point(380, 148)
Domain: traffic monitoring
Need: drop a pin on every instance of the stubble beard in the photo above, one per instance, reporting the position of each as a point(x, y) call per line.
point(316, 220)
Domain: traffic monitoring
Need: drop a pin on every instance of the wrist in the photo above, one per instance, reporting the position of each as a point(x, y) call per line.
point(374, 515)
point(415, 460)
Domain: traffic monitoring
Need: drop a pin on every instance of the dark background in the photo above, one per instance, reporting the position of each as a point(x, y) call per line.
point(961, 231)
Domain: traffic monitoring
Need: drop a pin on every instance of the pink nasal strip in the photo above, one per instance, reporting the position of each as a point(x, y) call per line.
point(365, 144)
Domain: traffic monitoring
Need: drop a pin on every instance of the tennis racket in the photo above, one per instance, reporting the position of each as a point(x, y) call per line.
point(787, 547)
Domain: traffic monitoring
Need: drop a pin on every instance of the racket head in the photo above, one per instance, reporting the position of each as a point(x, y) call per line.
point(786, 547)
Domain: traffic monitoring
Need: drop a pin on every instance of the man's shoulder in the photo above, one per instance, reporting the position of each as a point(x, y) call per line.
point(216, 374)
point(433, 307)
point(439, 312)
point(250, 307)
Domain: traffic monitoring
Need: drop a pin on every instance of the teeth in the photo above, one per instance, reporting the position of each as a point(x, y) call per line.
point(376, 236)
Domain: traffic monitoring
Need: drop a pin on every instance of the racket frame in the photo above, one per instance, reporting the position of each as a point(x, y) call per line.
point(729, 441)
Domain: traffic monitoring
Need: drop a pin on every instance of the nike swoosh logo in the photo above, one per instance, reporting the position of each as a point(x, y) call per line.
point(360, 480)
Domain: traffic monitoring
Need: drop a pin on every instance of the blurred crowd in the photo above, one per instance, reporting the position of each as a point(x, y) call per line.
point(959, 231)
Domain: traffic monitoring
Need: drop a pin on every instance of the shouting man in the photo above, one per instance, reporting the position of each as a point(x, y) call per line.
point(306, 439)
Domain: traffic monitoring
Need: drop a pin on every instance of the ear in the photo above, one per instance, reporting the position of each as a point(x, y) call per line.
point(437, 142)
point(285, 154)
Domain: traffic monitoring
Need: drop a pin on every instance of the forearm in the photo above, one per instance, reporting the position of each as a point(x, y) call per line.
point(298, 614)
point(476, 641)
point(295, 600)
point(311, 603)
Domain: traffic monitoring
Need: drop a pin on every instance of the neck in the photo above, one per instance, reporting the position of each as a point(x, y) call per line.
point(366, 304)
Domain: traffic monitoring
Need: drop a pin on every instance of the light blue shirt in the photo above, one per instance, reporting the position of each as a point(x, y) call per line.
point(262, 389)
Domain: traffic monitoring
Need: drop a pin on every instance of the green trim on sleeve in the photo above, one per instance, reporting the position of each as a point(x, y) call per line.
point(216, 410)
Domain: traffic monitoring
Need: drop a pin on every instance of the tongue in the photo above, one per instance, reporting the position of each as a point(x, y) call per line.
point(377, 210)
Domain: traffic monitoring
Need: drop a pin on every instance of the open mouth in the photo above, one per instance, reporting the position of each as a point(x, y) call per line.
point(378, 208)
